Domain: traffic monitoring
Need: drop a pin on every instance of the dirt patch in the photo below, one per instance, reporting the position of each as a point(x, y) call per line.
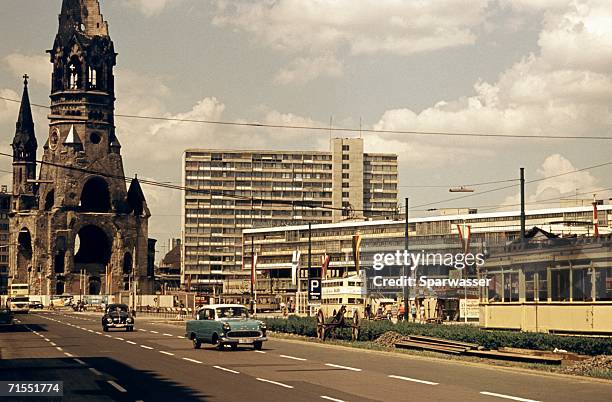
point(598, 365)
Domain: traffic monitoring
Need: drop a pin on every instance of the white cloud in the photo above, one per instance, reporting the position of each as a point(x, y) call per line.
point(318, 27)
point(548, 193)
point(150, 7)
point(554, 92)
point(303, 70)
point(39, 68)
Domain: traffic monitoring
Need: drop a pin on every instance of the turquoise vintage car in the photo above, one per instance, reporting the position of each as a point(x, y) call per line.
point(225, 324)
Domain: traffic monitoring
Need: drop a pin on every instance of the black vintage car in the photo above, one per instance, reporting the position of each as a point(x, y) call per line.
point(117, 316)
point(6, 317)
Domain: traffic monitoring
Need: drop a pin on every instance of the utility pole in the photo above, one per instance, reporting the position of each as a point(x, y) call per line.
point(309, 264)
point(406, 294)
point(253, 274)
point(522, 206)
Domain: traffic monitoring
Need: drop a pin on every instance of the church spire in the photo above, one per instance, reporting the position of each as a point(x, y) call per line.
point(83, 16)
point(24, 144)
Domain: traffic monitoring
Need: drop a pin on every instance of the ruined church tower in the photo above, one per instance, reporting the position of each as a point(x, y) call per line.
point(78, 229)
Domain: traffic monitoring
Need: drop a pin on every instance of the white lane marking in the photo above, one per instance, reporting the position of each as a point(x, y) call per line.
point(81, 362)
point(191, 360)
point(514, 398)
point(108, 336)
point(89, 330)
point(47, 339)
point(117, 386)
point(145, 347)
point(68, 354)
point(293, 358)
point(58, 348)
point(169, 335)
point(226, 369)
point(118, 338)
point(52, 343)
point(166, 353)
point(99, 333)
point(329, 398)
point(280, 384)
point(93, 370)
point(131, 343)
point(181, 337)
point(399, 377)
point(154, 332)
point(342, 367)
point(143, 330)
point(260, 351)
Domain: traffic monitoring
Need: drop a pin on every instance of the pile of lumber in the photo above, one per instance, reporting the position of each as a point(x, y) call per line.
point(472, 349)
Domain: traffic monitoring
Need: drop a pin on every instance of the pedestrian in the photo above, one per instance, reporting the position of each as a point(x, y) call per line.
point(413, 312)
point(422, 308)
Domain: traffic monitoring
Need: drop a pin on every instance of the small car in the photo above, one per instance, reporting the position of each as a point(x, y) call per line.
point(6, 317)
point(35, 305)
point(117, 316)
point(225, 324)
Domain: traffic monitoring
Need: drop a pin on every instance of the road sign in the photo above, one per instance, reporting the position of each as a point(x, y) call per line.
point(314, 289)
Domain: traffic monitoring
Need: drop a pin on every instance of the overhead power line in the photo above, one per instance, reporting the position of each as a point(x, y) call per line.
point(328, 129)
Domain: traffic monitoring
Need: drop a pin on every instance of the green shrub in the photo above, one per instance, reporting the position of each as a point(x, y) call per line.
point(370, 330)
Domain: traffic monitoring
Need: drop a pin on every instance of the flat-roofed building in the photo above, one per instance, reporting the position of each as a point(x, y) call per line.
point(279, 249)
point(232, 190)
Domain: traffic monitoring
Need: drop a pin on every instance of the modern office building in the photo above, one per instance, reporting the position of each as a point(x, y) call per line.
point(232, 190)
point(282, 248)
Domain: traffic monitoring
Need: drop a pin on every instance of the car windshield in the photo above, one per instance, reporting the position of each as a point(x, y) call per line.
point(117, 308)
point(232, 312)
point(20, 300)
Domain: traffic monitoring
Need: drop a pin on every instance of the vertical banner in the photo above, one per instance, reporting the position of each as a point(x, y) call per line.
point(254, 269)
point(295, 266)
point(324, 264)
point(356, 250)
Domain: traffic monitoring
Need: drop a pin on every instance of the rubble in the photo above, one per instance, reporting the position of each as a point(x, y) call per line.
point(601, 363)
point(390, 338)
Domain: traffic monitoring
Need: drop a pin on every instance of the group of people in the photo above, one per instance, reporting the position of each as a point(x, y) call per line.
point(415, 313)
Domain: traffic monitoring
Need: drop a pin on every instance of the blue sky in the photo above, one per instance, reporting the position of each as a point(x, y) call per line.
point(511, 67)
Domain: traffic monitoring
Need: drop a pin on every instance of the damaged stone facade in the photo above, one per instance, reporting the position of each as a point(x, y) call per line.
point(77, 229)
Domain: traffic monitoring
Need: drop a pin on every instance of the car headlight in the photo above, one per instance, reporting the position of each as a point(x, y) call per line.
point(226, 326)
point(263, 326)
point(109, 320)
point(130, 319)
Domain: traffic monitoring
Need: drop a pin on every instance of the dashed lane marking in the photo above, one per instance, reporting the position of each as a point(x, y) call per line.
point(514, 398)
point(192, 360)
point(52, 343)
point(329, 398)
point(146, 347)
point(280, 384)
point(260, 351)
point(169, 335)
point(131, 343)
point(121, 339)
point(60, 349)
point(293, 358)
point(117, 386)
point(343, 367)
point(81, 362)
point(68, 354)
point(399, 377)
point(226, 369)
point(166, 353)
point(154, 332)
point(93, 370)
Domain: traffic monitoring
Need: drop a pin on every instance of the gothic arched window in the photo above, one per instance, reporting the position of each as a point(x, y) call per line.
point(93, 78)
point(74, 71)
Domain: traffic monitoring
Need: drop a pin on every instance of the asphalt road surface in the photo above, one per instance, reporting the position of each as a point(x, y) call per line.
point(156, 363)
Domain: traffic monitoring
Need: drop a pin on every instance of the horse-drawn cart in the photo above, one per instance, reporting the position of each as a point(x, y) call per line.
point(328, 327)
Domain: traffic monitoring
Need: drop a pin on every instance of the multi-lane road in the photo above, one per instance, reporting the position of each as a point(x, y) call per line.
point(157, 363)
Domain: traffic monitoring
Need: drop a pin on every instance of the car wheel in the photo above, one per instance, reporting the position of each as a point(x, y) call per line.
point(196, 343)
point(257, 345)
point(105, 328)
point(234, 346)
